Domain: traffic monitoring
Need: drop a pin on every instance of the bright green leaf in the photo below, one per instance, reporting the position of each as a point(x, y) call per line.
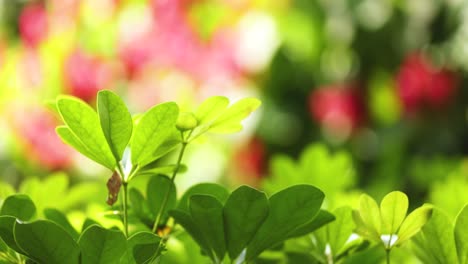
point(340, 230)
point(230, 120)
point(59, 218)
point(207, 214)
point(152, 130)
point(19, 206)
point(215, 190)
point(157, 188)
point(289, 209)
point(244, 212)
point(461, 235)
point(393, 210)
point(84, 124)
point(370, 214)
point(210, 109)
point(101, 246)
point(116, 121)
point(46, 243)
point(413, 223)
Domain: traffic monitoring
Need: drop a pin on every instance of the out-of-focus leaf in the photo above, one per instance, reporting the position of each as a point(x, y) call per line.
point(393, 211)
point(461, 235)
point(413, 223)
point(370, 215)
point(141, 248)
point(7, 224)
point(60, 219)
point(156, 191)
point(210, 109)
point(230, 120)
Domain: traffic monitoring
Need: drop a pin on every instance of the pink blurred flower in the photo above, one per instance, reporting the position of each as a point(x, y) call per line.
point(337, 108)
point(33, 24)
point(85, 75)
point(421, 84)
point(35, 129)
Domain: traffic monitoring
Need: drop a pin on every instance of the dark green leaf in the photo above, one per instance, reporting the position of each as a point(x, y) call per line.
point(84, 124)
point(142, 247)
point(157, 189)
point(207, 214)
point(186, 221)
point(289, 209)
point(322, 218)
point(87, 223)
point(7, 224)
point(215, 190)
point(116, 121)
point(46, 243)
point(461, 235)
point(59, 218)
point(152, 130)
point(101, 246)
point(244, 212)
point(19, 206)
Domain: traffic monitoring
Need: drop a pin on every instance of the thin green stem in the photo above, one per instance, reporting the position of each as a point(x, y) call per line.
point(387, 253)
point(166, 196)
point(125, 207)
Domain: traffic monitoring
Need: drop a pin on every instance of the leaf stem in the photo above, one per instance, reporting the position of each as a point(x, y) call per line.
point(387, 254)
point(125, 207)
point(166, 196)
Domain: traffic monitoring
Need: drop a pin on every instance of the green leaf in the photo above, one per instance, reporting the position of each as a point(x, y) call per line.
point(207, 214)
point(59, 218)
point(244, 212)
point(158, 169)
point(186, 221)
point(173, 140)
point(19, 206)
point(215, 190)
point(393, 210)
point(289, 209)
point(370, 215)
point(210, 109)
point(7, 224)
point(84, 124)
point(142, 247)
point(152, 130)
point(322, 218)
point(116, 121)
point(340, 230)
point(156, 191)
point(230, 120)
point(101, 246)
point(461, 235)
point(437, 239)
point(413, 223)
point(46, 243)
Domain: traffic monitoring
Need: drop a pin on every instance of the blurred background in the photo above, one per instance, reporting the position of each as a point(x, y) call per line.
point(358, 95)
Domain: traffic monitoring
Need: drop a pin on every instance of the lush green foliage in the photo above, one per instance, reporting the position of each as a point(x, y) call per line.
point(242, 226)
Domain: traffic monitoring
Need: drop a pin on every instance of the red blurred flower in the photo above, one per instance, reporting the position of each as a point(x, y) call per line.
point(420, 84)
point(337, 108)
point(35, 129)
point(86, 75)
point(250, 159)
point(33, 24)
